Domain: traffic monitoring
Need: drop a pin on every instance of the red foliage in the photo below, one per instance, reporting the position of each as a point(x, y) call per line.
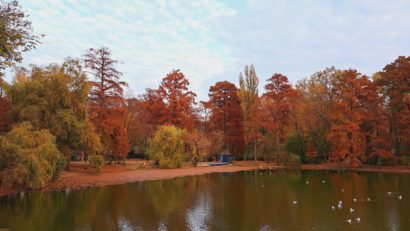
point(226, 115)
point(281, 99)
point(394, 84)
point(107, 106)
point(178, 100)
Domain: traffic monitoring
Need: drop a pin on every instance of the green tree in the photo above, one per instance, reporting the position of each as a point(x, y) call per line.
point(55, 98)
point(16, 34)
point(167, 147)
point(248, 94)
point(29, 158)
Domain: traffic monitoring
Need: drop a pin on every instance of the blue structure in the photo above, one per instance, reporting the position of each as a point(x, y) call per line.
point(226, 158)
point(223, 159)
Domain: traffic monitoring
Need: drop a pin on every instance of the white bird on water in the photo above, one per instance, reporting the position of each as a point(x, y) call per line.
point(307, 182)
point(323, 181)
point(351, 210)
point(349, 221)
point(358, 219)
point(343, 189)
point(389, 193)
point(400, 197)
point(354, 199)
point(339, 206)
point(333, 207)
point(295, 202)
point(368, 199)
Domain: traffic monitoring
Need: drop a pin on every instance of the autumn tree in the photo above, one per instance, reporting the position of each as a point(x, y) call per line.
point(16, 34)
point(107, 106)
point(281, 95)
point(312, 121)
point(352, 92)
point(167, 147)
point(146, 115)
point(226, 115)
point(248, 94)
point(178, 100)
point(394, 85)
point(29, 158)
point(62, 110)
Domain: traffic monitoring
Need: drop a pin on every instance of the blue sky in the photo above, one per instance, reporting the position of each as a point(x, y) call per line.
point(213, 40)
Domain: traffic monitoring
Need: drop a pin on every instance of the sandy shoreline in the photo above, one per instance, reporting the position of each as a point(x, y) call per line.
point(80, 176)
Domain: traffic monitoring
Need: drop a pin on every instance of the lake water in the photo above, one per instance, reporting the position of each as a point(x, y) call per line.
point(253, 200)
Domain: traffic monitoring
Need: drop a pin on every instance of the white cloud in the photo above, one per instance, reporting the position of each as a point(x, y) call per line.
point(212, 40)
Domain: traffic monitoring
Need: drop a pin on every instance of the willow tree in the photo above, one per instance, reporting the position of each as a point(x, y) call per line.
point(29, 158)
point(107, 106)
point(54, 98)
point(167, 147)
point(248, 94)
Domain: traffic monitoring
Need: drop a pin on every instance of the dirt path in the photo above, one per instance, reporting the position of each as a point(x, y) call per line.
point(80, 176)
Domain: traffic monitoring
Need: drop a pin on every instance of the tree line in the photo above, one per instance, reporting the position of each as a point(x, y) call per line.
point(77, 110)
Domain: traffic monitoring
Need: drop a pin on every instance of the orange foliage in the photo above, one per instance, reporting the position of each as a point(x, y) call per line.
point(178, 100)
point(226, 115)
point(107, 107)
point(281, 98)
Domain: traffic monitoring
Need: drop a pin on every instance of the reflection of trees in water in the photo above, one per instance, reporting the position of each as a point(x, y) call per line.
point(240, 201)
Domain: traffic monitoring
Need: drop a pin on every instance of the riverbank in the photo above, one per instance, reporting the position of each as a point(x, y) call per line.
point(82, 176)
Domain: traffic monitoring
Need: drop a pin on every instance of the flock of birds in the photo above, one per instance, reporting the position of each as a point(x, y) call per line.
point(340, 203)
point(351, 210)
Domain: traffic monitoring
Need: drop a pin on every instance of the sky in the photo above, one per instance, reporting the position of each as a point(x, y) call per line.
point(211, 41)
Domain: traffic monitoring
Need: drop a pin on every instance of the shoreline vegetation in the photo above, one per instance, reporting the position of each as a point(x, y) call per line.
point(81, 176)
point(54, 113)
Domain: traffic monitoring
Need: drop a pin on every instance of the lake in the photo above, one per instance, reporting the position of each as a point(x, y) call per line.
point(252, 200)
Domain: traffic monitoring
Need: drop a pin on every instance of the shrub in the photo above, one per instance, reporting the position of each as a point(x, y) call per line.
point(293, 160)
point(29, 158)
point(167, 147)
point(96, 161)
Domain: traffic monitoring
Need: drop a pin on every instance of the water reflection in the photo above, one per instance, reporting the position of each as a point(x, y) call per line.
point(240, 201)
